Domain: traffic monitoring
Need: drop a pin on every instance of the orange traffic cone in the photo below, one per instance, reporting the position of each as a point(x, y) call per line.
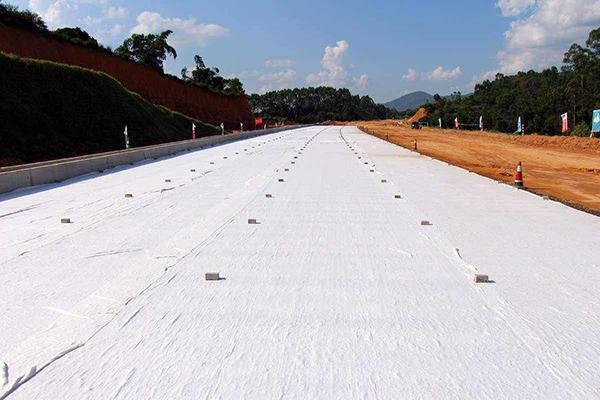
point(519, 175)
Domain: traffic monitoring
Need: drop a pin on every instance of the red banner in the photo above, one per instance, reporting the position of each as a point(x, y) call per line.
point(565, 122)
point(258, 121)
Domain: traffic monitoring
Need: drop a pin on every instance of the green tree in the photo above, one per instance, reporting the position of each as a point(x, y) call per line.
point(149, 49)
point(593, 41)
point(538, 97)
point(203, 76)
point(311, 105)
point(234, 86)
point(77, 35)
point(12, 16)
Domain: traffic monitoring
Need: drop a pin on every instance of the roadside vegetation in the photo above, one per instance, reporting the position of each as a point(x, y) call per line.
point(312, 105)
point(41, 98)
point(147, 49)
point(539, 98)
point(206, 77)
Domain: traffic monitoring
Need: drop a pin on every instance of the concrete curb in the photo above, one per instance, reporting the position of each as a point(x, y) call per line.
point(25, 175)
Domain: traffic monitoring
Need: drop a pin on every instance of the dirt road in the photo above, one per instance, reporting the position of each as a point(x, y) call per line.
point(564, 168)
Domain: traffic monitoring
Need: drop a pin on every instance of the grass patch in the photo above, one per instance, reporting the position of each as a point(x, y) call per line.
point(50, 110)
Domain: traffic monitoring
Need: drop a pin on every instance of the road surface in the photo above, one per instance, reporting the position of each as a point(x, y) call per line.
point(338, 292)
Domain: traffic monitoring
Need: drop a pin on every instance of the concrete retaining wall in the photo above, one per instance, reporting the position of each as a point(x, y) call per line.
point(25, 175)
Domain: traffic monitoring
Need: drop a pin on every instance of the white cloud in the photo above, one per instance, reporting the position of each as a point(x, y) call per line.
point(410, 75)
point(441, 74)
point(332, 59)
point(246, 74)
point(514, 7)
point(540, 39)
point(59, 13)
point(333, 73)
point(361, 82)
point(115, 12)
point(489, 75)
point(438, 74)
point(56, 13)
point(277, 80)
point(116, 30)
point(279, 63)
point(185, 31)
point(542, 31)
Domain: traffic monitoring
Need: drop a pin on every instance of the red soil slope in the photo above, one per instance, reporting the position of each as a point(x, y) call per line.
point(192, 101)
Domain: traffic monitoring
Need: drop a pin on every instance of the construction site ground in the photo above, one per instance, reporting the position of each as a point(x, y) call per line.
point(563, 168)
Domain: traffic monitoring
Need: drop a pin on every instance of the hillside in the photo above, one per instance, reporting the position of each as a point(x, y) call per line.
point(410, 101)
point(202, 104)
point(51, 110)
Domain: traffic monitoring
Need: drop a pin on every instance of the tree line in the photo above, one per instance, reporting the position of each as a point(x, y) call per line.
point(147, 49)
point(539, 98)
point(317, 104)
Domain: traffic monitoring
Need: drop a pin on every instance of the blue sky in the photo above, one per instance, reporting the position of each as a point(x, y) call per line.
point(381, 48)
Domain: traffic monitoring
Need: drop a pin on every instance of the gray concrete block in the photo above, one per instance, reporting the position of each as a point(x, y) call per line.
point(252, 221)
point(192, 170)
point(268, 195)
point(212, 276)
point(383, 180)
point(65, 220)
point(426, 223)
point(280, 180)
point(167, 180)
point(397, 196)
point(480, 278)
point(128, 195)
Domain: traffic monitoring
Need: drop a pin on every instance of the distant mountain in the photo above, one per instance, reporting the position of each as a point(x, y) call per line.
point(410, 101)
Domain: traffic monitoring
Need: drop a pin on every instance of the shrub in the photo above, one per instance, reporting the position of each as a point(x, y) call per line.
point(581, 129)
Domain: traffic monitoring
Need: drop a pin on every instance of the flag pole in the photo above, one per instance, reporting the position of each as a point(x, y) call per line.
point(126, 138)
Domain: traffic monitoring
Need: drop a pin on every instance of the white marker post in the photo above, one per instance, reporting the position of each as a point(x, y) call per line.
point(222, 129)
point(193, 131)
point(126, 138)
point(241, 127)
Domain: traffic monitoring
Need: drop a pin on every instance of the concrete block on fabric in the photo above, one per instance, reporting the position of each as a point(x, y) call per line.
point(212, 276)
